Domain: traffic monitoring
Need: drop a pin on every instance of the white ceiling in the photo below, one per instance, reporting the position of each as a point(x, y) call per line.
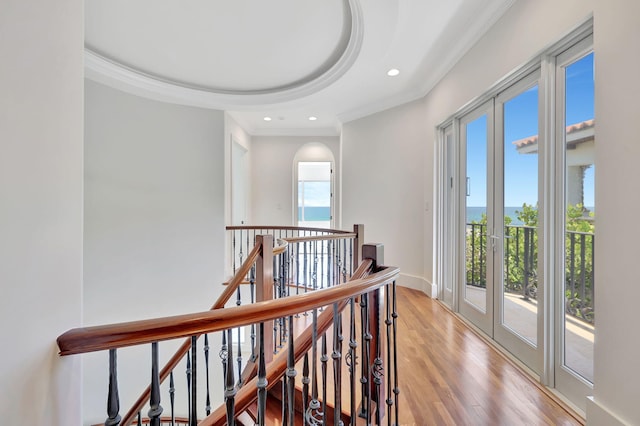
point(287, 59)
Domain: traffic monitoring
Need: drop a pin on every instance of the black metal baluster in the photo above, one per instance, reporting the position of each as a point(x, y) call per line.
point(155, 409)
point(262, 379)
point(230, 389)
point(233, 250)
point(323, 360)
point(206, 369)
point(172, 398)
point(344, 265)
point(223, 356)
point(313, 415)
point(351, 360)
point(388, 322)
point(396, 389)
point(239, 358)
point(365, 411)
point(113, 399)
point(337, 365)
point(378, 368)
point(283, 399)
point(305, 384)
point(291, 377)
point(188, 372)
point(252, 284)
point(194, 376)
point(139, 418)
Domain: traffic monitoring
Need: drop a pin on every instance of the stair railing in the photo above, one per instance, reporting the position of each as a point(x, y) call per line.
point(152, 331)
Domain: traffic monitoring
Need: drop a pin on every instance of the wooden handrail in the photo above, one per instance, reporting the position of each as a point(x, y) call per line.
point(246, 395)
point(292, 240)
point(284, 228)
point(99, 338)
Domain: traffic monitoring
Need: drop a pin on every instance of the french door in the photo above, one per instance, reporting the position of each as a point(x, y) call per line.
point(498, 286)
point(517, 215)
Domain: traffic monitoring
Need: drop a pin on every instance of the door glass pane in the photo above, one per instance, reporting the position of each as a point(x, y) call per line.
point(580, 208)
point(476, 214)
point(314, 194)
point(520, 244)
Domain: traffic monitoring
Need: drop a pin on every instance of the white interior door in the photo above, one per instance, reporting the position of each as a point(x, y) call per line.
point(239, 184)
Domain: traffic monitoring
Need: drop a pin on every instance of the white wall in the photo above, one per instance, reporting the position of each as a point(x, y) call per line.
point(617, 371)
point(272, 176)
point(154, 222)
point(40, 209)
point(383, 185)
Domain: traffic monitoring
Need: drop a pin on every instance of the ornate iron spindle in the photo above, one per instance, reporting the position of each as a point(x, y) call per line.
point(344, 266)
point(239, 358)
point(223, 354)
point(113, 399)
point(283, 398)
point(351, 360)
point(155, 409)
point(194, 386)
point(139, 418)
point(365, 408)
point(252, 284)
point(378, 368)
point(233, 250)
point(230, 389)
point(188, 372)
point(323, 360)
point(262, 379)
point(241, 254)
point(172, 398)
point(396, 389)
point(304, 266)
point(388, 322)
point(291, 377)
point(313, 414)
point(321, 261)
point(337, 365)
point(206, 369)
point(305, 382)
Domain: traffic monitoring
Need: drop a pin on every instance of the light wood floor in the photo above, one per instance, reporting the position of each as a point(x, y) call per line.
point(451, 376)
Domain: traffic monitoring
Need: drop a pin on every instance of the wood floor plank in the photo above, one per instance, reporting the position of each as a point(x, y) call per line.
point(451, 376)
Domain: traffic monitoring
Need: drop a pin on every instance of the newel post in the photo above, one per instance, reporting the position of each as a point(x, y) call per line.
point(358, 242)
point(264, 287)
point(375, 307)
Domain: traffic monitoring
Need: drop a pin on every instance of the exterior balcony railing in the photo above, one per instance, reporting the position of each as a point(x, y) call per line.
point(521, 265)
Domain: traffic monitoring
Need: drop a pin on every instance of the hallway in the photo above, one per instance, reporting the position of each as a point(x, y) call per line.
point(450, 376)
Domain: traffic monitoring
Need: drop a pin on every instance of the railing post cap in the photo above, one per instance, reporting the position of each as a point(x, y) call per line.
point(375, 252)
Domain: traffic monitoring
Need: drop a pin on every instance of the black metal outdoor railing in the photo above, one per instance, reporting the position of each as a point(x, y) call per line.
point(521, 265)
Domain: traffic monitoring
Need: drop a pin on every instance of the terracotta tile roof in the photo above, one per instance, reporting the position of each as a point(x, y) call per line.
point(531, 140)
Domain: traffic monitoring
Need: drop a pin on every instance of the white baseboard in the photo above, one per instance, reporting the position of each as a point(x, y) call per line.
point(598, 415)
point(418, 283)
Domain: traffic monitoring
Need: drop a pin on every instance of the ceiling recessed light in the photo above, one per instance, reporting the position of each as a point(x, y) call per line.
point(312, 118)
point(393, 72)
point(267, 118)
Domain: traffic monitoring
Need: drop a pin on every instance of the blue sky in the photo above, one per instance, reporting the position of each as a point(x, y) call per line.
point(521, 120)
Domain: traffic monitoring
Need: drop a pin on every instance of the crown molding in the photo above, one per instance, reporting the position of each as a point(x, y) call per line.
point(112, 73)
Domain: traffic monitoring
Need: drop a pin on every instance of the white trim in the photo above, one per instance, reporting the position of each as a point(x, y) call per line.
point(120, 76)
point(418, 283)
point(599, 415)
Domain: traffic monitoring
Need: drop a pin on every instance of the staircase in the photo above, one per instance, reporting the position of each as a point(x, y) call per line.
point(321, 328)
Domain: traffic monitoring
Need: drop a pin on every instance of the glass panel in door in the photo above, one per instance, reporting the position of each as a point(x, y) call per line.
point(519, 287)
point(475, 289)
point(580, 214)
